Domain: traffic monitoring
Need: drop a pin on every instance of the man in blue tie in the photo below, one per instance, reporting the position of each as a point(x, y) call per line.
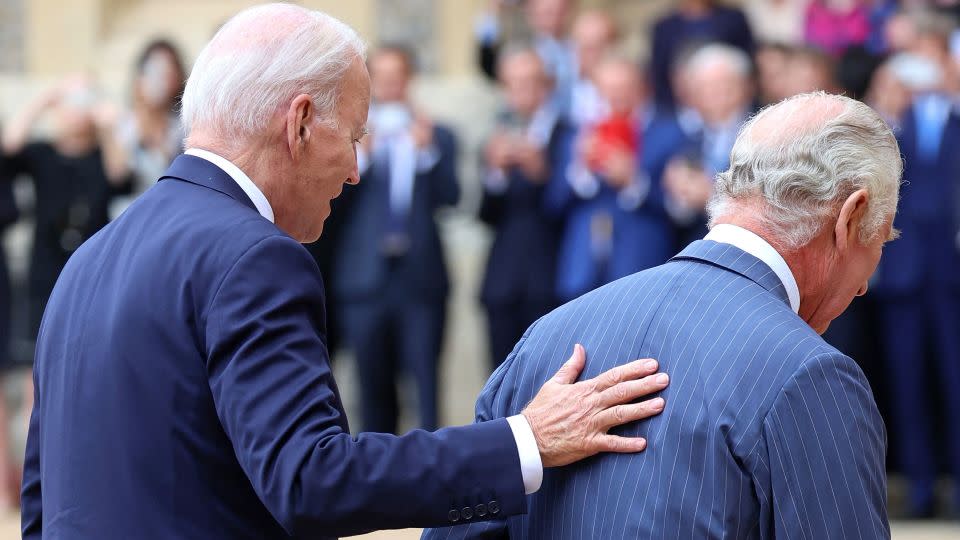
point(183, 388)
point(770, 432)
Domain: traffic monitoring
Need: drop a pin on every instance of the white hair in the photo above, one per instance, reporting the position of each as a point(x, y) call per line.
point(719, 53)
point(262, 58)
point(805, 161)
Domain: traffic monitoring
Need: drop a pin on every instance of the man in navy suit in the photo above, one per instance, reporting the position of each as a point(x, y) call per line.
point(182, 382)
point(918, 283)
point(390, 276)
point(610, 197)
point(770, 432)
point(530, 145)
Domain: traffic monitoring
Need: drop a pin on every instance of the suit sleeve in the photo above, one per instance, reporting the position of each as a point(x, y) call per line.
point(824, 446)
point(276, 398)
point(31, 504)
point(490, 405)
point(445, 188)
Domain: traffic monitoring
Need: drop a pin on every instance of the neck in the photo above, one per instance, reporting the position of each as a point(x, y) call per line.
point(806, 266)
point(254, 159)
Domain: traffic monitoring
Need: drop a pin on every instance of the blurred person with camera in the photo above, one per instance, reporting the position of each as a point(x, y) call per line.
point(594, 37)
point(150, 133)
point(718, 88)
point(390, 277)
point(548, 22)
point(610, 197)
point(917, 284)
point(74, 174)
point(529, 146)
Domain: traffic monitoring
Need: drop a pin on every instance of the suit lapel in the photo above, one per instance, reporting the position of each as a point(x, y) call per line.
point(203, 173)
point(735, 260)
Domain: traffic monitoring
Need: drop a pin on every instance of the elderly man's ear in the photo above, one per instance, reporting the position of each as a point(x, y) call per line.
point(852, 213)
point(299, 115)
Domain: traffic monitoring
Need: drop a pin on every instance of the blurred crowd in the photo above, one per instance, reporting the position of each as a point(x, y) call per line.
point(600, 164)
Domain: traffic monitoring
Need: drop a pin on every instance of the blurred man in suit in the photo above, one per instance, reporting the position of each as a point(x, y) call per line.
point(530, 146)
point(711, 120)
point(788, 440)
point(918, 284)
point(610, 197)
point(183, 388)
point(594, 36)
point(390, 275)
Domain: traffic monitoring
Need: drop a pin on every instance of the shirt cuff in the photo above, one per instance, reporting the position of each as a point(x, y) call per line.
point(530, 465)
point(582, 181)
point(633, 196)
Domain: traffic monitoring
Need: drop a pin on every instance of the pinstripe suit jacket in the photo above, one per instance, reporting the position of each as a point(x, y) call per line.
point(768, 431)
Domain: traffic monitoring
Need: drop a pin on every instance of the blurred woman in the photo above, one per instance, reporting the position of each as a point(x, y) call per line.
point(150, 134)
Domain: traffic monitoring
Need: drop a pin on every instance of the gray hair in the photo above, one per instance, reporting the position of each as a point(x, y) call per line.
point(797, 172)
point(242, 77)
point(719, 53)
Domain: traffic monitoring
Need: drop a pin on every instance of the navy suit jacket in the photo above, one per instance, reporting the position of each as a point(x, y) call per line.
point(183, 390)
point(768, 431)
point(360, 269)
point(928, 216)
point(642, 236)
point(523, 257)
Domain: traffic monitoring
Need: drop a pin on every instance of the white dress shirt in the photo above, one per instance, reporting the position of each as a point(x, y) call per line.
point(242, 180)
point(531, 467)
point(758, 247)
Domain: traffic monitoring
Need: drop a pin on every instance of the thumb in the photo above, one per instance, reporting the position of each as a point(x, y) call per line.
point(568, 373)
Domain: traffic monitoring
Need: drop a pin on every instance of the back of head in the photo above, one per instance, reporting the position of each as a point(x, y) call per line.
point(796, 161)
point(260, 59)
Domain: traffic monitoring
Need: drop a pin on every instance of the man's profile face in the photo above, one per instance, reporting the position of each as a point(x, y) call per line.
point(525, 83)
point(331, 153)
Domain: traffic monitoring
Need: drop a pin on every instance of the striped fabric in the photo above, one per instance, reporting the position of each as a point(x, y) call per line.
point(768, 431)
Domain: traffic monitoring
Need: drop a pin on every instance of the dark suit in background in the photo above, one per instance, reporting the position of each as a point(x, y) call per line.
point(608, 234)
point(183, 390)
point(519, 281)
point(8, 216)
point(677, 33)
point(918, 289)
point(392, 284)
point(768, 431)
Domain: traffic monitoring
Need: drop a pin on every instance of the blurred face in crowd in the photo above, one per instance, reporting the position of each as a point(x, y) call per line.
point(899, 32)
point(525, 82)
point(717, 91)
point(74, 112)
point(326, 156)
point(594, 34)
point(159, 79)
point(772, 68)
point(809, 71)
point(619, 83)
point(548, 17)
point(390, 74)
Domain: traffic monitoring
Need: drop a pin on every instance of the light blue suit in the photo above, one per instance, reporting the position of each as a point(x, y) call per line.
point(768, 432)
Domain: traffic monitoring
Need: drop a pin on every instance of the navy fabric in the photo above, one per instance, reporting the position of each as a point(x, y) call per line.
point(768, 432)
point(183, 390)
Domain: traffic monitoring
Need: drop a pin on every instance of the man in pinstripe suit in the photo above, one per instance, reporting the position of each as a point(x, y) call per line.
point(770, 432)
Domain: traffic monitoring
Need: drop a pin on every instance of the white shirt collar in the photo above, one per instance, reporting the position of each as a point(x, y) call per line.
point(242, 180)
point(759, 248)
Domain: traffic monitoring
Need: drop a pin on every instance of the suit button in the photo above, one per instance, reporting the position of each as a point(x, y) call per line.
point(453, 516)
point(480, 510)
point(467, 512)
point(493, 507)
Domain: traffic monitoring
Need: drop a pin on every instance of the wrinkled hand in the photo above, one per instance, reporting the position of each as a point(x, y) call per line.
point(570, 419)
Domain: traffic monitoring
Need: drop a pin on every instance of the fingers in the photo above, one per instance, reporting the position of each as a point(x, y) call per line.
point(621, 445)
point(626, 372)
point(633, 389)
point(568, 372)
point(631, 412)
